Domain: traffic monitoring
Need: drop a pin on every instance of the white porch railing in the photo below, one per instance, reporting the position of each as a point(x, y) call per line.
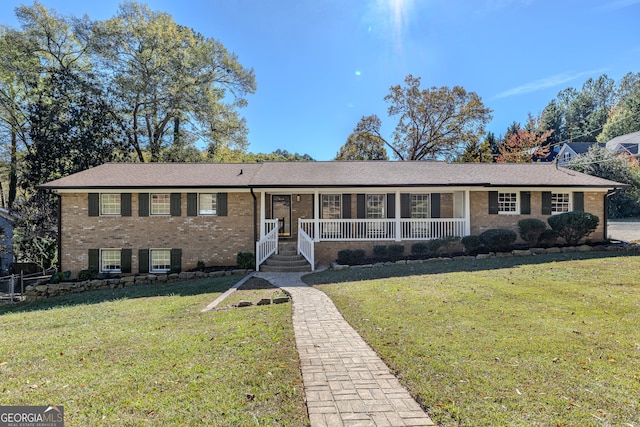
point(306, 247)
point(268, 245)
point(383, 229)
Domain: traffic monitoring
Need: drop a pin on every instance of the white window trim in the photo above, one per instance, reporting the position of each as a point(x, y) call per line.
point(158, 270)
point(569, 204)
point(205, 213)
point(517, 211)
point(383, 204)
point(111, 271)
point(428, 195)
point(322, 199)
point(102, 213)
point(151, 213)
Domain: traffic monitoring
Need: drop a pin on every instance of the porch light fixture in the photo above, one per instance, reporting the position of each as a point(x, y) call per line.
point(297, 197)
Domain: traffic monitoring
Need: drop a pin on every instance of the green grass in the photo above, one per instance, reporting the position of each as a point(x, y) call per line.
point(502, 343)
point(146, 355)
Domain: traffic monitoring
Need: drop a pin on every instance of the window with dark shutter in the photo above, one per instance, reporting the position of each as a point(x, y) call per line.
point(222, 204)
point(176, 260)
point(192, 204)
point(578, 201)
point(391, 205)
point(346, 206)
point(125, 204)
point(494, 205)
point(143, 204)
point(435, 205)
point(546, 203)
point(525, 202)
point(143, 260)
point(94, 259)
point(94, 204)
point(176, 204)
point(125, 260)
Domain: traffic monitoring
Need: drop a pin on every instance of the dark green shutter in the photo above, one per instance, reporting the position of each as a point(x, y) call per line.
point(546, 203)
point(125, 260)
point(525, 202)
point(222, 208)
point(143, 260)
point(94, 259)
point(125, 204)
point(578, 201)
point(192, 204)
point(94, 204)
point(143, 204)
point(361, 206)
point(175, 204)
point(346, 206)
point(494, 206)
point(176, 260)
point(435, 205)
point(405, 205)
point(391, 205)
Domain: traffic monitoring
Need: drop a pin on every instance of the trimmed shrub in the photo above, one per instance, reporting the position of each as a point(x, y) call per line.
point(88, 274)
point(246, 260)
point(498, 239)
point(471, 243)
point(530, 230)
point(573, 226)
point(380, 251)
point(548, 238)
point(427, 248)
point(351, 256)
point(395, 252)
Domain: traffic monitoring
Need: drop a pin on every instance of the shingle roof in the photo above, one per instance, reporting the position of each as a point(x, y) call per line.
point(325, 174)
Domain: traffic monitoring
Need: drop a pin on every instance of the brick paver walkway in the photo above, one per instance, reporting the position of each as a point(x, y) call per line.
point(345, 382)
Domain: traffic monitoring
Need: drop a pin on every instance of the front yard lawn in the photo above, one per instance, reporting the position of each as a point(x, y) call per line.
point(146, 355)
point(496, 343)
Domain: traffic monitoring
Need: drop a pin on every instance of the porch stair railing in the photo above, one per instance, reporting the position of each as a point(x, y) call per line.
point(268, 245)
point(306, 247)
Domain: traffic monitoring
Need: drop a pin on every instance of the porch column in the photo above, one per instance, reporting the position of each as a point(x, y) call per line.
point(397, 217)
point(316, 216)
point(467, 212)
point(262, 213)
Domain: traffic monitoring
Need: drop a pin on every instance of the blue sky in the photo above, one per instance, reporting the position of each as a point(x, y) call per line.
point(321, 65)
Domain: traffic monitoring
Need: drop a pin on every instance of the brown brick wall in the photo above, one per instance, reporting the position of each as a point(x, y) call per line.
point(215, 240)
point(481, 220)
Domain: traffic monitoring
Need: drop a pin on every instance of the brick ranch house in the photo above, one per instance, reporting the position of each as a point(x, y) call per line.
point(159, 217)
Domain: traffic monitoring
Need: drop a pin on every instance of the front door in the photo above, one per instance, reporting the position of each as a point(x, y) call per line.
point(281, 210)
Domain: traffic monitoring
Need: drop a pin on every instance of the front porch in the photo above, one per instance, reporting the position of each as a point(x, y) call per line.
point(375, 216)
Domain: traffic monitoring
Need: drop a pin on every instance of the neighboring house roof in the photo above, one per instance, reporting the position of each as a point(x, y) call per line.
point(324, 174)
point(582, 147)
point(625, 143)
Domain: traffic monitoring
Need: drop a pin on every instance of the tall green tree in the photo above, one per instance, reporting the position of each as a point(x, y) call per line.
point(432, 123)
point(362, 146)
point(156, 71)
point(625, 115)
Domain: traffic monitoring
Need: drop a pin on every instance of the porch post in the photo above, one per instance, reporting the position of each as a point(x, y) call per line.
point(316, 216)
point(262, 213)
point(397, 217)
point(467, 212)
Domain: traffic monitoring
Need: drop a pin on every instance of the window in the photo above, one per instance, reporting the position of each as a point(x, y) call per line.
point(110, 261)
point(559, 203)
point(331, 206)
point(420, 206)
point(508, 203)
point(208, 204)
point(375, 206)
point(160, 260)
point(110, 204)
point(161, 204)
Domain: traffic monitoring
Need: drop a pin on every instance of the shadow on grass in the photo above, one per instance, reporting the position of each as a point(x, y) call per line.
point(402, 270)
point(177, 288)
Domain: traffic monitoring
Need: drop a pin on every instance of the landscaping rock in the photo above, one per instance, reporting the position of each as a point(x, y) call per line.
point(401, 261)
point(538, 251)
point(569, 249)
point(280, 300)
point(553, 250)
point(584, 248)
point(526, 252)
point(484, 256)
point(264, 301)
point(244, 303)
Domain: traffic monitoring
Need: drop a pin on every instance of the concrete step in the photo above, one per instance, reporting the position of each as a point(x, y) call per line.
point(286, 257)
point(286, 262)
point(284, 269)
